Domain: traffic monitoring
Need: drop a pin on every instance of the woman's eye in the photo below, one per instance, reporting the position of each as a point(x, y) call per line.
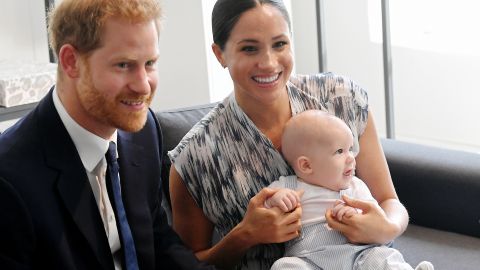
point(151, 63)
point(249, 49)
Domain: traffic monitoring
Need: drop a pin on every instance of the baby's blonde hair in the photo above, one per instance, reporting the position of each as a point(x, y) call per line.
point(305, 131)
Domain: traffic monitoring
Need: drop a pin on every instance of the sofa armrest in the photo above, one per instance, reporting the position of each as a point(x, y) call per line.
point(440, 188)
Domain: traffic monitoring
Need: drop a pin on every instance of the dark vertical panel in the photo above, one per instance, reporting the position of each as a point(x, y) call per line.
point(48, 4)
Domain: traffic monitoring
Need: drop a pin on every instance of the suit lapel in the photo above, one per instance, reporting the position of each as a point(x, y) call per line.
point(140, 180)
point(73, 186)
point(134, 176)
point(131, 175)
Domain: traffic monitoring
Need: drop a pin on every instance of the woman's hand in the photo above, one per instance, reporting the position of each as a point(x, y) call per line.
point(371, 226)
point(263, 225)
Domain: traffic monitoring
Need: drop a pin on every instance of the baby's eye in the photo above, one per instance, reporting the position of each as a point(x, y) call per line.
point(339, 151)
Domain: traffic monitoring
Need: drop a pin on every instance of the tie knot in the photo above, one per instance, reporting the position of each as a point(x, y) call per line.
point(111, 154)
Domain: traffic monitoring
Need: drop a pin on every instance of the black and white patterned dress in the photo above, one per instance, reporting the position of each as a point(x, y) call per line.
point(224, 160)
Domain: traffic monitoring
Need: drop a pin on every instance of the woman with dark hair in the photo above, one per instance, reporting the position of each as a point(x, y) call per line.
point(222, 166)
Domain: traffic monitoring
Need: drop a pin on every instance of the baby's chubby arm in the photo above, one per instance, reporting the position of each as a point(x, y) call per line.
point(286, 199)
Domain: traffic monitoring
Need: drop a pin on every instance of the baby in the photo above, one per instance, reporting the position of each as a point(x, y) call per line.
point(319, 147)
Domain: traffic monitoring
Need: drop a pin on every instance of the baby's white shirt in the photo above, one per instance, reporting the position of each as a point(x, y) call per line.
point(317, 200)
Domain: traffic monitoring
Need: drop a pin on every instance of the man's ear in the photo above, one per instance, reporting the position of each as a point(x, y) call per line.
point(303, 164)
point(219, 54)
point(69, 60)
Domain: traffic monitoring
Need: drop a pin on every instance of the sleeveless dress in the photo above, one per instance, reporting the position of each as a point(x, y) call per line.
point(224, 160)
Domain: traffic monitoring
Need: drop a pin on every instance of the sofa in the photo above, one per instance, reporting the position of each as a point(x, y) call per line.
point(440, 189)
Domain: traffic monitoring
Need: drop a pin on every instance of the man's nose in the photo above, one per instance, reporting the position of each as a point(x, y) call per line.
point(140, 82)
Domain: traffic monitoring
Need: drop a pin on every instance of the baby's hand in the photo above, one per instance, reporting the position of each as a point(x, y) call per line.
point(285, 199)
point(341, 210)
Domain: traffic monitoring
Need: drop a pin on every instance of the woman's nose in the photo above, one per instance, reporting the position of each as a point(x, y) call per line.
point(267, 60)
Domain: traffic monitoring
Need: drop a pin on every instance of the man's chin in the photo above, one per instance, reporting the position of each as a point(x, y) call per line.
point(131, 124)
point(133, 128)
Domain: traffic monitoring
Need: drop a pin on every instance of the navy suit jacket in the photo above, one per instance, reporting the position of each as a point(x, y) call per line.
point(49, 218)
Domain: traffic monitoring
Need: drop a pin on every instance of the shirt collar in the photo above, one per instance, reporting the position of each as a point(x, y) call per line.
point(90, 147)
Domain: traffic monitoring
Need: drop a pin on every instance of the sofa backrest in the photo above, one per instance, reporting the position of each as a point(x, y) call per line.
point(175, 124)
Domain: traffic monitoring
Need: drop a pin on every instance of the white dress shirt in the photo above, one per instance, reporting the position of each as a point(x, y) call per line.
point(91, 149)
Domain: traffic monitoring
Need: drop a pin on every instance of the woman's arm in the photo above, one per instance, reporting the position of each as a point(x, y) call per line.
point(259, 225)
point(377, 224)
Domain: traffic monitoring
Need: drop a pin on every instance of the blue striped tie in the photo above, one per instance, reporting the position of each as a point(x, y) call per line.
point(127, 239)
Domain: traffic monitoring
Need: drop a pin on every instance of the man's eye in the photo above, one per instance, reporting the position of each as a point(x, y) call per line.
point(280, 44)
point(122, 65)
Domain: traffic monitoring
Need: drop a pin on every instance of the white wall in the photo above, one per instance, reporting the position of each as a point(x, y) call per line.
point(437, 96)
point(435, 92)
point(349, 50)
point(23, 31)
point(23, 34)
point(303, 16)
point(220, 83)
point(183, 68)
